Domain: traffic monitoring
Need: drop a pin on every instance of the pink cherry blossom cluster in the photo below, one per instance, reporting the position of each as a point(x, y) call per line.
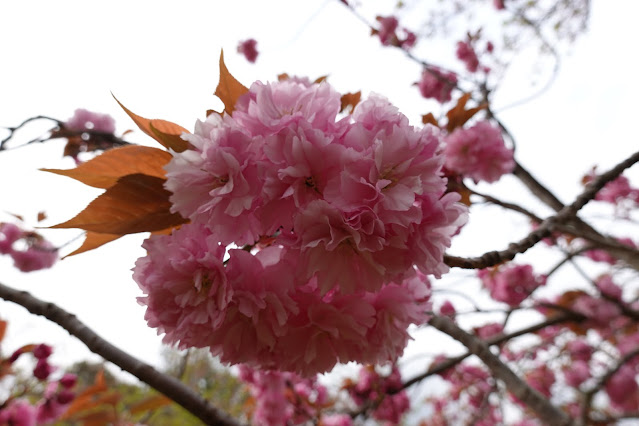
point(84, 120)
point(385, 391)
point(338, 222)
point(283, 398)
point(387, 32)
point(466, 53)
point(437, 84)
point(248, 48)
point(511, 284)
point(478, 152)
point(623, 390)
point(29, 250)
point(615, 192)
point(55, 400)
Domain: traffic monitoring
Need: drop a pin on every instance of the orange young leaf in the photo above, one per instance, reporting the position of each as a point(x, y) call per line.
point(92, 241)
point(319, 80)
point(350, 100)
point(165, 132)
point(41, 216)
point(228, 89)
point(3, 329)
point(459, 115)
point(149, 404)
point(104, 170)
point(429, 119)
point(104, 416)
point(136, 203)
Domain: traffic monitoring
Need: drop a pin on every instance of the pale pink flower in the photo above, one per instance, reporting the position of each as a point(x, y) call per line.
point(185, 285)
point(268, 108)
point(437, 84)
point(248, 48)
point(511, 284)
point(335, 216)
point(617, 190)
point(84, 120)
point(18, 412)
point(466, 53)
point(479, 153)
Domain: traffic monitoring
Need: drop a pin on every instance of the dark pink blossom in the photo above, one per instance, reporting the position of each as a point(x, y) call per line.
point(499, 4)
point(576, 373)
point(622, 389)
point(511, 284)
point(9, 234)
point(248, 48)
point(18, 412)
point(437, 84)
point(42, 351)
point(387, 32)
point(489, 330)
point(84, 120)
point(479, 153)
point(466, 53)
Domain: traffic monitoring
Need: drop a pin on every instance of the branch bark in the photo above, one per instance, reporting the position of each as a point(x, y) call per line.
point(547, 412)
point(169, 386)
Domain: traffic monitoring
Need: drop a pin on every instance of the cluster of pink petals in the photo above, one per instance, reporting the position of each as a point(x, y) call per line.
point(387, 32)
point(478, 152)
point(32, 254)
point(84, 120)
point(489, 330)
point(373, 387)
point(248, 48)
point(617, 190)
point(623, 390)
point(340, 220)
point(511, 284)
point(437, 84)
point(283, 398)
point(466, 53)
point(55, 400)
point(576, 373)
point(499, 4)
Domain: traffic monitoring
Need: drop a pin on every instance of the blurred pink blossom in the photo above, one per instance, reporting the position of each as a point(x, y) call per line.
point(248, 48)
point(84, 120)
point(437, 84)
point(478, 152)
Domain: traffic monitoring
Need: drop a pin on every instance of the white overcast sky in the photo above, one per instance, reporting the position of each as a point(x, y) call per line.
point(160, 58)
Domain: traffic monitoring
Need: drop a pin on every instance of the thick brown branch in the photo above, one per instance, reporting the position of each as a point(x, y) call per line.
point(163, 383)
point(547, 412)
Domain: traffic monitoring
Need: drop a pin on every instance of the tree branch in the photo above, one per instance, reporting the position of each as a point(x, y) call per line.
point(547, 412)
point(163, 383)
point(565, 214)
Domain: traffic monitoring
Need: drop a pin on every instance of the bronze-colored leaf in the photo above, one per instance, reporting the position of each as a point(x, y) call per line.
point(429, 119)
point(228, 89)
point(136, 203)
point(3, 329)
point(350, 100)
point(149, 403)
point(162, 131)
point(41, 216)
point(459, 115)
point(104, 170)
point(92, 241)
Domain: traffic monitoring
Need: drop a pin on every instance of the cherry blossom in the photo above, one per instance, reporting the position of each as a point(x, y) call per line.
point(83, 120)
point(437, 84)
point(248, 48)
point(479, 153)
